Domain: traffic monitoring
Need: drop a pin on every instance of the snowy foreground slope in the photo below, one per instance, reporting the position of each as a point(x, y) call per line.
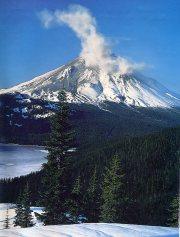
point(85, 84)
point(11, 215)
point(92, 230)
point(78, 230)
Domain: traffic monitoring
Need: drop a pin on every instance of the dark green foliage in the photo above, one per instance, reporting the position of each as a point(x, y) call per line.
point(174, 212)
point(174, 207)
point(76, 201)
point(93, 196)
point(94, 125)
point(113, 196)
point(18, 217)
point(10, 189)
point(23, 216)
point(56, 179)
point(150, 166)
point(33, 130)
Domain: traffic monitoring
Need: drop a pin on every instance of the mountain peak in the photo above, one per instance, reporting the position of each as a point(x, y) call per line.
point(85, 84)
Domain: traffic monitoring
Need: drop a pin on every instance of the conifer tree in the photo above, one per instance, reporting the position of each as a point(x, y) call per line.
point(56, 180)
point(93, 198)
point(18, 211)
point(6, 222)
point(23, 216)
point(174, 212)
point(18, 216)
point(76, 201)
point(27, 219)
point(112, 193)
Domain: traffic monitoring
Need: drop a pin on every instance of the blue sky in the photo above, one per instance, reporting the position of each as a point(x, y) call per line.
point(141, 30)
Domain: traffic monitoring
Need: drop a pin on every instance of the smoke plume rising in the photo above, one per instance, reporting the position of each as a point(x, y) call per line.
point(95, 50)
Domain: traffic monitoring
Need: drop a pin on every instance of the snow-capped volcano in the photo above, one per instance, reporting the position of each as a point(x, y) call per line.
point(88, 85)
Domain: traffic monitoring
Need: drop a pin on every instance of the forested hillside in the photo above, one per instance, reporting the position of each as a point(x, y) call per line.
point(149, 165)
point(25, 120)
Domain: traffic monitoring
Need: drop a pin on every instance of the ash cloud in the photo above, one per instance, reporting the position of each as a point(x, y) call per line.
point(95, 49)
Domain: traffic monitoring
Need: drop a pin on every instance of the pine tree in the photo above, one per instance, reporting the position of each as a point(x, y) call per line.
point(18, 216)
point(76, 201)
point(93, 198)
point(27, 219)
point(6, 222)
point(112, 193)
point(23, 216)
point(56, 180)
point(18, 211)
point(174, 212)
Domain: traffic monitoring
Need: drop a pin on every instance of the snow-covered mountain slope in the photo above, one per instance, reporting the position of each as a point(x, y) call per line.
point(92, 230)
point(89, 85)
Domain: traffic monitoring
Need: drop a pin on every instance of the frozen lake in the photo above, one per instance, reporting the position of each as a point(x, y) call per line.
point(16, 160)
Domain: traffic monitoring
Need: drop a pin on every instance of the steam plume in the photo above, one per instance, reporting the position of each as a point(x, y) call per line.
point(95, 50)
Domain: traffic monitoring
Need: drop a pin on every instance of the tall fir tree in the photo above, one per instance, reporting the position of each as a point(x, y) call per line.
point(23, 216)
point(18, 216)
point(76, 201)
point(93, 198)
point(112, 193)
point(174, 212)
point(56, 179)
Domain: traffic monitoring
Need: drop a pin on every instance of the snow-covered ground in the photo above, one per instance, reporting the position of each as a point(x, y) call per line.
point(79, 230)
point(11, 214)
point(91, 230)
